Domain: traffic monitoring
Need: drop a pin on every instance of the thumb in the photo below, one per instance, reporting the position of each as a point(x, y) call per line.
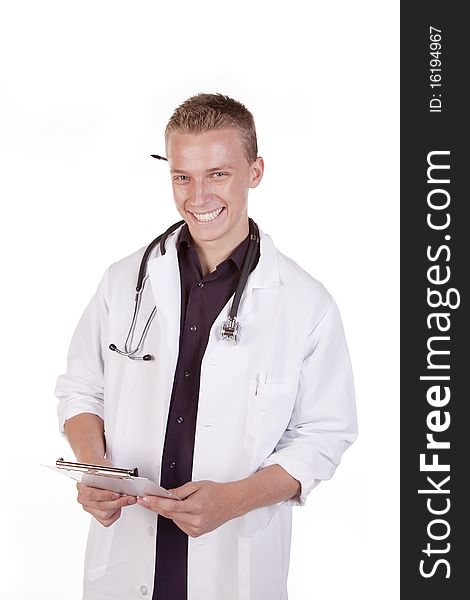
point(186, 490)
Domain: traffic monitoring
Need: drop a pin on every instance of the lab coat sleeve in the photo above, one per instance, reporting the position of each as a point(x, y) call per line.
point(323, 423)
point(81, 388)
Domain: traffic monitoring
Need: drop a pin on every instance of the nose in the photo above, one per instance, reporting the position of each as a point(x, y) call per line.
point(200, 192)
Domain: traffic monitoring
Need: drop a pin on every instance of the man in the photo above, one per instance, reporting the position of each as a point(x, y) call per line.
point(239, 432)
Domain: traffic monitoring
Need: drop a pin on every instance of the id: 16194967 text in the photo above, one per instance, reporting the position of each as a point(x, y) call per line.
point(435, 70)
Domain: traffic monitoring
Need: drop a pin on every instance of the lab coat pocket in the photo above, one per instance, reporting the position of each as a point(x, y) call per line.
point(269, 410)
point(256, 520)
point(259, 553)
point(98, 550)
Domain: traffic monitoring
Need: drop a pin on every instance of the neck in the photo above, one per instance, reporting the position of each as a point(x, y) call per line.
point(211, 253)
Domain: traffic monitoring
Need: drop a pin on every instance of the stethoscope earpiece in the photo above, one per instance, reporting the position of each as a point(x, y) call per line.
point(128, 354)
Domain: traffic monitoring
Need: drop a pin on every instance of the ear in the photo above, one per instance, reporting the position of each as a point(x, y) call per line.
point(257, 170)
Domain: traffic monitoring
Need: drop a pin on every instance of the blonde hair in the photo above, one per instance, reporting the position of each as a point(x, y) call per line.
point(207, 112)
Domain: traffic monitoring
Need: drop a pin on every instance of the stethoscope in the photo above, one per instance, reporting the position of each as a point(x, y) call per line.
point(231, 327)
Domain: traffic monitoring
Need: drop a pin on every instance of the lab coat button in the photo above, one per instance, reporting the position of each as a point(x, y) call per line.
point(187, 373)
point(150, 531)
point(200, 284)
point(143, 590)
point(193, 328)
point(180, 419)
point(172, 465)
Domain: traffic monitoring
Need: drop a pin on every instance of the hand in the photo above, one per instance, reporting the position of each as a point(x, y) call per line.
point(204, 506)
point(103, 505)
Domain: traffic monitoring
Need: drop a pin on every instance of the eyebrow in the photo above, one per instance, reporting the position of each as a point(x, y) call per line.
point(221, 168)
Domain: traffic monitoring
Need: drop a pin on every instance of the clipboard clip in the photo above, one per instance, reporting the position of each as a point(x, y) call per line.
point(91, 469)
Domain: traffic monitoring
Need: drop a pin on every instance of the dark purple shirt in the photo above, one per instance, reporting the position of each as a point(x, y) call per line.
point(202, 299)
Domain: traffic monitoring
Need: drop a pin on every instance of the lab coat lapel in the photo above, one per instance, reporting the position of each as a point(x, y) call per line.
point(226, 365)
point(265, 275)
point(164, 274)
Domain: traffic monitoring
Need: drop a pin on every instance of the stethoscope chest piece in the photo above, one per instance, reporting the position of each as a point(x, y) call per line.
point(230, 330)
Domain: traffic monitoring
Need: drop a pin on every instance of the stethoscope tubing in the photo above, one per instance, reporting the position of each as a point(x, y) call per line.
point(228, 327)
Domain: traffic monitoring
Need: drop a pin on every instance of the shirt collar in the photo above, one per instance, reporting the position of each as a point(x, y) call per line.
point(184, 236)
point(237, 257)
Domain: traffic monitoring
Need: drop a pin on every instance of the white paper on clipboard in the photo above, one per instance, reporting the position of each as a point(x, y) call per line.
point(129, 485)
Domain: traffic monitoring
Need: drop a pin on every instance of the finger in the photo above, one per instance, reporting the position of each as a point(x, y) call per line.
point(101, 514)
point(187, 520)
point(121, 502)
point(96, 494)
point(107, 505)
point(193, 504)
point(190, 526)
point(187, 489)
point(161, 505)
point(108, 520)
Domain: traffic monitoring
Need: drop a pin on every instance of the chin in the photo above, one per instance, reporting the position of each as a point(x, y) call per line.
point(205, 236)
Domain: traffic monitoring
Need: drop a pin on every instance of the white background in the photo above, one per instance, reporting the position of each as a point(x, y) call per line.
point(86, 90)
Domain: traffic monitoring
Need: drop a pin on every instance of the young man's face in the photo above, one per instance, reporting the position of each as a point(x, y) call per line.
point(211, 178)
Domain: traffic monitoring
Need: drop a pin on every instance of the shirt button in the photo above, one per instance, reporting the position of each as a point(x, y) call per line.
point(187, 373)
point(180, 419)
point(143, 590)
point(172, 465)
point(193, 328)
point(200, 284)
point(150, 531)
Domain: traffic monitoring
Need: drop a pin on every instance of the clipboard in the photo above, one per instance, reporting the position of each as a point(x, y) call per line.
point(121, 481)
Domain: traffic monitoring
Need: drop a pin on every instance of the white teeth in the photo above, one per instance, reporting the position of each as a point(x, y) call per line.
point(206, 217)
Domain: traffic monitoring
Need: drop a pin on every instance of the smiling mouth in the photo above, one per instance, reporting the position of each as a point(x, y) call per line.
point(208, 216)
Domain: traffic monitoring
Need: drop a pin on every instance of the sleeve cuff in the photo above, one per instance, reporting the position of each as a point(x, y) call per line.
point(298, 472)
point(77, 408)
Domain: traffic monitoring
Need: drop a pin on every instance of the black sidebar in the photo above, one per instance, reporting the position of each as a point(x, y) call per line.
point(435, 258)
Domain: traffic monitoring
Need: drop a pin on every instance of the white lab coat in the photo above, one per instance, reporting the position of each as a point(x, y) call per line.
point(283, 395)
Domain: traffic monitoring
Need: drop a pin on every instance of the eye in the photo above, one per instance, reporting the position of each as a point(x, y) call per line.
point(218, 174)
point(181, 178)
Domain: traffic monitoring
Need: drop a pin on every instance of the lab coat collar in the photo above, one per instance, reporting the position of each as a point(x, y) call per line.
point(266, 273)
point(165, 268)
point(163, 271)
